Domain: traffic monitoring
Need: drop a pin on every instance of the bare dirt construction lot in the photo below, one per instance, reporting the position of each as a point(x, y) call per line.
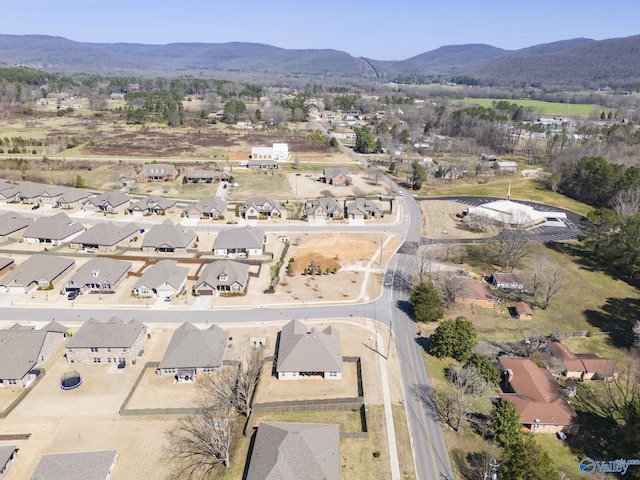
point(87, 418)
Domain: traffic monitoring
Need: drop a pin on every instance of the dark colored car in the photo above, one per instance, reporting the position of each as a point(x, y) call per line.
point(73, 294)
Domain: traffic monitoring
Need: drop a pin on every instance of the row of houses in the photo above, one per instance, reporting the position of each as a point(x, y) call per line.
point(191, 351)
point(165, 278)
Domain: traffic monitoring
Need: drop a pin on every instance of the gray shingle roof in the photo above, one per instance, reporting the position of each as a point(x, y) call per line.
point(301, 350)
point(334, 172)
point(57, 227)
point(364, 205)
point(20, 349)
point(12, 222)
point(164, 271)
point(328, 204)
point(5, 262)
point(235, 272)
point(107, 234)
point(191, 347)
point(37, 266)
point(168, 234)
point(100, 269)
point(153, 202)
point(245, 237)
point(285, 451)
point(76, 466)
point(113, 333)
point(114, 199)
point(26, 190)
point(208, 204)
point(6, 451)
point(158, 170)
point(66, 194)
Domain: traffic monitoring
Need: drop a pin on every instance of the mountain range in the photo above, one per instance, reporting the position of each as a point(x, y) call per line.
point(579, 61)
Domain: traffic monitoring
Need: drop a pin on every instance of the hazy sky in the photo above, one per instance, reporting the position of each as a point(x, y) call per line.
point(382, 30)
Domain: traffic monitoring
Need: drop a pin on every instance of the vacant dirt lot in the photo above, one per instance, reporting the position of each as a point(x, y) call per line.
point(439, 220)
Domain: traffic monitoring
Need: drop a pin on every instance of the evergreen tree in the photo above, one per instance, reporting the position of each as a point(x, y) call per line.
point(505, 425)
point(526, 460)
point(426, 303)
point(453, 338)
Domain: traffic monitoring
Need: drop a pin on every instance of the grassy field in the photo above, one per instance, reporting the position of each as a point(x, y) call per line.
point(546, 108)
point(521, 189)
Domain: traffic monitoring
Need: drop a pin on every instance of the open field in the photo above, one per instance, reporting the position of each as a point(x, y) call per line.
point(521, 189)
point(545, 108)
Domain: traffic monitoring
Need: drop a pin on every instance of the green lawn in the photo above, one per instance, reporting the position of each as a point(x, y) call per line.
point(547, 108)
point(521, 189)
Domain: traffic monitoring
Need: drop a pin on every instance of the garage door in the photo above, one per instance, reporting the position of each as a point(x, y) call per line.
point(205, 292)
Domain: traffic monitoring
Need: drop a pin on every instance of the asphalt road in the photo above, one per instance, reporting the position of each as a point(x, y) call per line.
point(429, 449)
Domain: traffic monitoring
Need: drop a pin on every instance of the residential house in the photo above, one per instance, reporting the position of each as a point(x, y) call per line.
point(12, 224)
point(65, 197)
point(262, 164)
point(107, 202)
point(336, 176)
point(206, 176)
point(156, 172)
point(54, 230)
point(38, 271)
point(507, 281)
point(303, 352)
point(260, 207)
point(239, 242)
point(192, 351)
point(323, 208)
point(363, 208)
point(114, 341)
point(4, 186)
point(505, 167)
point(164, 279)
point(95, 465)
point(489, 158)
point(6, 264)
point(583, 366)
point(152, 205)
point(168, 238)
point(278, 152)
point(26, 192)
point(223, 276)
point(98, 275)
point(538, 398)
point(8, 454)
point(523, 311)
point(309, 451)
point(106, 237)
point(475, 294)
point(24, 350)
point(212, 207)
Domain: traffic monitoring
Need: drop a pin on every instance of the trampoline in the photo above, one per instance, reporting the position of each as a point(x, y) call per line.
point(70, 380)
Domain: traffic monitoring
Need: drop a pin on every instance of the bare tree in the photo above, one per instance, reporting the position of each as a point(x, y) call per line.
point(469, 388)
point(424, 260)
point(277, 116)
point(636, 334)
point(529, 340)
point(235, 387)
point(627, 202)
point(201, 441)
point(450, 286)
point(555, 281)
point(510, 247)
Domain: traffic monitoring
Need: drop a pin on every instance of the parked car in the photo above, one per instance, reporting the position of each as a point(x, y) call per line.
point(73, 294)
point(36, 206)
point(562, 436)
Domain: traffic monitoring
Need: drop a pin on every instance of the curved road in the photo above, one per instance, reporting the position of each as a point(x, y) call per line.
point(429, 449)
